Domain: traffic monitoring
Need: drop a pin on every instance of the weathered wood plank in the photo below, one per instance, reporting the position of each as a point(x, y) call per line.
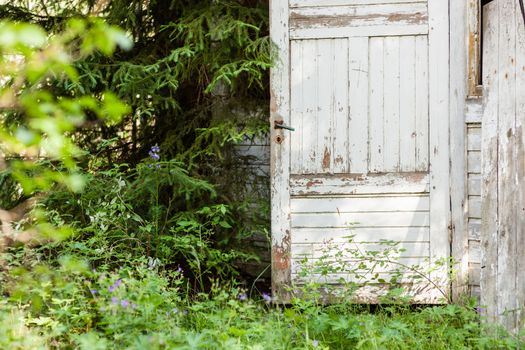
point(362, 219)
point(324, 83)
point(361, 234)
point(474, 112)
point(360, 277)
point(474, 227)
point(474, 138)
point(420, 293)
point(320, 3)
point(439, 136)
point(359, 31)
point(358, 16)
point(506, 272)
point(474, 185)
point(520, 168)
point(360, 204)
point(407, 104)
point(254, 154)
point(280, 155)
point(475, 291)
point(422, 98)
point(472, 19)
point(474, 162)
point(340, 106)
point(474, 270)
point(346, 265)
point(391, 105)
point(376, 116)
point(258, 170)
point(358, 91)
point(474, 251)
point(297, 111)
point(489, 236)
point(309, 88)
point(474, 207)
point(360, 184)
point(349, 250)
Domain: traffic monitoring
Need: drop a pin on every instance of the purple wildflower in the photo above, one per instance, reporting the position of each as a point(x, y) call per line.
point(115, 285)
point(94, 291)
point(134, 306)
point(154, 152)
point(114, 300)
point(480, 310)
point(243, 297)
point(179, 270)
point(124, 303)
point(175, 310)
point(267, 298)
point(315, 343)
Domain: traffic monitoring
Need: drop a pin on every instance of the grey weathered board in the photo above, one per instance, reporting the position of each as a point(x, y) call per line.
point(503, 165)
point(365, 84)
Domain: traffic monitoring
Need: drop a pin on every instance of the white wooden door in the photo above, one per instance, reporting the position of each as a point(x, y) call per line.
point(365, 85)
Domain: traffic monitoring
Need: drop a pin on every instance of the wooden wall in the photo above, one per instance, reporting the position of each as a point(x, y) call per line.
point(473, 149)
point(254, 156)
point(503, 165)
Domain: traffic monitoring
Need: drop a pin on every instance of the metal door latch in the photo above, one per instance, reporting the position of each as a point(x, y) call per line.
point(279, 124)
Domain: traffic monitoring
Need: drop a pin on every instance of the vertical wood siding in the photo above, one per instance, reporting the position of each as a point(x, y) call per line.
point(459, 10)
point(503, 166)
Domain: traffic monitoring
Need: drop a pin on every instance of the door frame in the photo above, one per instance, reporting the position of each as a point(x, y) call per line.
point(280, 153)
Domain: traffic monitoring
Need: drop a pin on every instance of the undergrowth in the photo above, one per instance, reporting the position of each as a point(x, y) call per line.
point(71, 305)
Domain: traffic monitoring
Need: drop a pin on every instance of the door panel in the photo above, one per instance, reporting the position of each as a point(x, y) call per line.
point(366, 93)
point(374, 122)
point(319, 106)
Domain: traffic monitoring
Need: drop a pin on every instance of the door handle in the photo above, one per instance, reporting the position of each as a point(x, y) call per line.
point(279, 124)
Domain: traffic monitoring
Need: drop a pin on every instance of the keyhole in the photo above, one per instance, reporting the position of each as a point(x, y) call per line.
point(279, 139)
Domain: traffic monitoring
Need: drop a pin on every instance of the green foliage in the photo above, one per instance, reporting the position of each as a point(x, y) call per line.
point(196, 81)
point(35, 126)
point(125, 214)
point(194, 65)
point(15, 334)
